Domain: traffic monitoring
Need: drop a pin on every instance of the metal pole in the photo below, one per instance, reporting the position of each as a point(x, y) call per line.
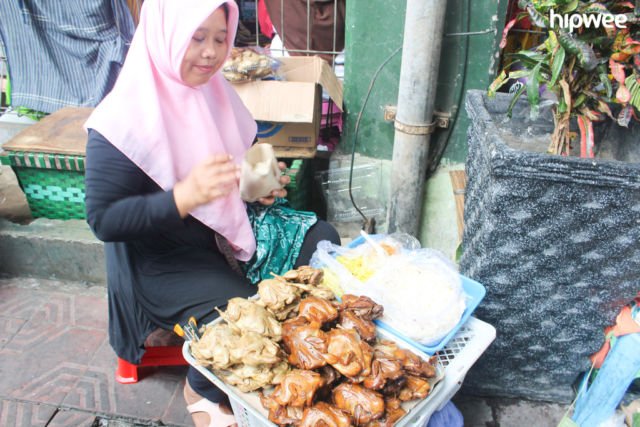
point(424, 23)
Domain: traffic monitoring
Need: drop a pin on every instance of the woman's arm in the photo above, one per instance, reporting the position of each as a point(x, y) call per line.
point(120, 205)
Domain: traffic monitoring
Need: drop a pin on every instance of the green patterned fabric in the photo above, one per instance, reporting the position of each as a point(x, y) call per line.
point(279, 232)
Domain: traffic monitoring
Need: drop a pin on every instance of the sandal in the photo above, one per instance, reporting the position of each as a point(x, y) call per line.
point(216, 416)
point(206, 413)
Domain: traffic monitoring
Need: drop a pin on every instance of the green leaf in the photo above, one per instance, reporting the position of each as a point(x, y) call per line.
point(518, 74)
point(595, 8)
point(533, 94)
point(515, 98)
point(634, 87)
point(586, 57)
point(459, 252)
point(537, 18)
point(556, 67)
point(562, 105)
point(570, 7)
point(530, 60)
point(497, 84)
point(604, 79)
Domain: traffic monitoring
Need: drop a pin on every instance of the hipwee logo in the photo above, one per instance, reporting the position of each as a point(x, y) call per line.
point(588, 20)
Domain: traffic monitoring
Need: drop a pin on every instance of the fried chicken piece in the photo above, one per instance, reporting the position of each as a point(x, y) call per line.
point(411, 362)
point(362, 404)
point(375, 380)
point(415, 388)
point(415, 365)
point(365, 328)
point(392, 387)
point(305, 274)
point(362, 306)
point(246, 315)
point(254, 349)
point(306, 344)
point(392, 413)
point(330, 377)
point(213, 348)
point(279, 371)
point(298, 388)
point(278, 296)
point(383, 368)
point(392, 410)
point(324, 415)
point(322, 291)
point(319, 291)
point(247, 378)
point(317, 311)
point(347, 353)
point(281, 415)
point(329, 374)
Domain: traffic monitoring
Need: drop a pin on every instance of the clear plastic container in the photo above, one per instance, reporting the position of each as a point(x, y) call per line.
point(367, 186)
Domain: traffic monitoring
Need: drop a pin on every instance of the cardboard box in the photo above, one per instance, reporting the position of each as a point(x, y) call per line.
point(289, 111)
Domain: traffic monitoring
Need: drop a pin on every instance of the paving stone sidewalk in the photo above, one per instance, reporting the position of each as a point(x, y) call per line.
point(57, 369)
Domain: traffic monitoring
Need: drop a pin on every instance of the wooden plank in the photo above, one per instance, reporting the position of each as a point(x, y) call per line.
point(459, 184)
point(60, 132)
point(294, 152)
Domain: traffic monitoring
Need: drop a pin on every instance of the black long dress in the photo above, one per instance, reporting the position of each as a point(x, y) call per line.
point(161, 268)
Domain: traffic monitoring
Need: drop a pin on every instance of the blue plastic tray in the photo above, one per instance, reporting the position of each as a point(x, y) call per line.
point(475, 293)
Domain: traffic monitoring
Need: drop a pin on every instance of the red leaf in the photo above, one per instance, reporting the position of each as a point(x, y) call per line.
point(620, 56)
point(586, 137)
point(623, 95)
point(505, 32)
point(617, 70)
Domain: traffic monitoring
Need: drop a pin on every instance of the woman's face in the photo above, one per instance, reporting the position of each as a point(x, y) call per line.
point(207, 50)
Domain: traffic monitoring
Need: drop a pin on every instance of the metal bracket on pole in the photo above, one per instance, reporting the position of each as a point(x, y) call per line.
point(441, 121)
point(414, 129)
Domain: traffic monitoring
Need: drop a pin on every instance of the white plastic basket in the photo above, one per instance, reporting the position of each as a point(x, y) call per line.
point(455, 360)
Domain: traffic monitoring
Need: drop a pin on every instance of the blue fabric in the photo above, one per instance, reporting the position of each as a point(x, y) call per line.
point(602, 398)
point(63, 53)
point(448, 416)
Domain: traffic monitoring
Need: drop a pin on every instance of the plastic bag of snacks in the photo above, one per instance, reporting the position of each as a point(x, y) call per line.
point(246, 64)
point(420, 289)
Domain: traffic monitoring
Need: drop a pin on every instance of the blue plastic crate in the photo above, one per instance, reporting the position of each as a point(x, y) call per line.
point(475, 293)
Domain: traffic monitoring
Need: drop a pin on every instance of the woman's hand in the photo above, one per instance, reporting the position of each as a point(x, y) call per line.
point(284, 180)
point(216, 177)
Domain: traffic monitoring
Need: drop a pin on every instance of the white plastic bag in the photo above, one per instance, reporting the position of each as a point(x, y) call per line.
point(420, 289)
point(421, 293)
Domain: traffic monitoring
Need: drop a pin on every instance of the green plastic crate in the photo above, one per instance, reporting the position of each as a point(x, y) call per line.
point(53, 183)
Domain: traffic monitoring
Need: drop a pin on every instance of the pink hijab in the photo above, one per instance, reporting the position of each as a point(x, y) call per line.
point(166, 127)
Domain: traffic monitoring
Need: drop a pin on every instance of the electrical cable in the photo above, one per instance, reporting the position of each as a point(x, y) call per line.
point(355, 135)
point(434, 160)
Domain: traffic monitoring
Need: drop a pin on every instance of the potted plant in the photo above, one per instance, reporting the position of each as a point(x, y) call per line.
point(592, 72)
point(554, 237)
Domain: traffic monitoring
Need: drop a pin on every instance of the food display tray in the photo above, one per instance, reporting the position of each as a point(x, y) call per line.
point(454, 361)
point(249, 411)
point(474, 291)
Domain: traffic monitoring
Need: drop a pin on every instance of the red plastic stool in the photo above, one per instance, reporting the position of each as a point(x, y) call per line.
point(127, 373)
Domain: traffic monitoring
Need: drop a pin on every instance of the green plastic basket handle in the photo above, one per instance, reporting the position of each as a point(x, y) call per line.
point(8, 87)
point(22, 111)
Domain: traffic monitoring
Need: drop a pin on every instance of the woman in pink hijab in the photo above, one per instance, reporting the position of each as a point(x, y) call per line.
point(162, 187)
